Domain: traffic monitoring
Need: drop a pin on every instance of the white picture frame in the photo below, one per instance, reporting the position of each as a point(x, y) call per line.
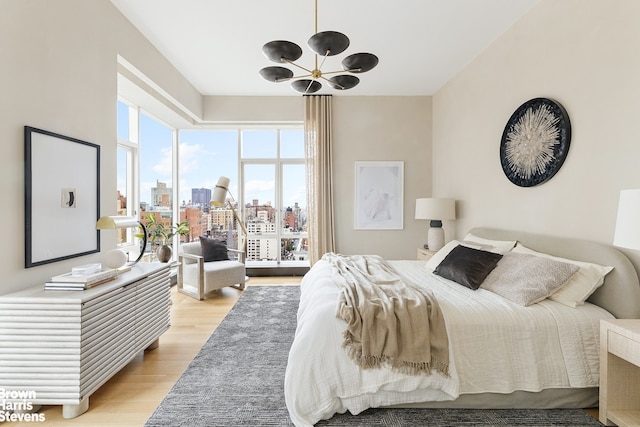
point(379, 195)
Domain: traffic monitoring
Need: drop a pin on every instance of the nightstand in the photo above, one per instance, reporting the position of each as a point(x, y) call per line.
point(425, 254)
point(620, 372)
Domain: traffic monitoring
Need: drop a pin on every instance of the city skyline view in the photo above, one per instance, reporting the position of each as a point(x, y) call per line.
point(271, 197)
point(205, 155)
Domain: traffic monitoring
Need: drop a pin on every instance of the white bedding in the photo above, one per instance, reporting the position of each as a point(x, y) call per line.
point(495, 346)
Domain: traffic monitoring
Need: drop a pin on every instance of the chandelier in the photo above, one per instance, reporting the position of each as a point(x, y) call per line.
point(323, 44)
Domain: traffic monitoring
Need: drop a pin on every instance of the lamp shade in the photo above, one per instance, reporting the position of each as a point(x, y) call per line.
point(344, 82)
point(276, 74)
point(306, 85)
point(360, 62)
point(282, 51)
point(627, 234)
point(118, 221)
point(435, 209)
point(220, 192)
point(328, 43)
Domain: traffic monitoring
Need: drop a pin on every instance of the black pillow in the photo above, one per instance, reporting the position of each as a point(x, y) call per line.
point(467, 266)
point(213, 249)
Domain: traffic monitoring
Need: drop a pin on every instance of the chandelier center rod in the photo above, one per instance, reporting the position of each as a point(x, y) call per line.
point(316, 32)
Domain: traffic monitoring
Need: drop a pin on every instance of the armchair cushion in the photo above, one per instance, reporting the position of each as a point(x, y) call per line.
point(217, 275)
point(213, 249)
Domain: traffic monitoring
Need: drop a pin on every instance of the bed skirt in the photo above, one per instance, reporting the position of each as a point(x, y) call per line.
point(545, 399)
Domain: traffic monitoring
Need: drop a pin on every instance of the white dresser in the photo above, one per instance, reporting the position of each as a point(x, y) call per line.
point(61, 346)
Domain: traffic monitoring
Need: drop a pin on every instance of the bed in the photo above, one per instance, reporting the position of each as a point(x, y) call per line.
point(503, 353)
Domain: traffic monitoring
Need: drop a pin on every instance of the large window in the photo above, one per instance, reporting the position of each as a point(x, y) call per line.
point(145, 172)
point(127, 158)
point(157, 174)
point(274, 197)
point(267, 190)
point(205, 155)
point(170, 174)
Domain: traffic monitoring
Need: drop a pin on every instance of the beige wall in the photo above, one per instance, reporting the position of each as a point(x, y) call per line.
point(252, 109)
point(381, 129)
point(581, 53)
point(58, 73)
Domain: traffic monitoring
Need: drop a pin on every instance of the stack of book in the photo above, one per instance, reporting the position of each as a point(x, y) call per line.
point(79, 282)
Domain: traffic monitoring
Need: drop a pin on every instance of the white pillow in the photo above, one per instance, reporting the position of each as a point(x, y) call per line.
point(499, 246)
point(581, 285)
point(437, 258)
point(527, 279)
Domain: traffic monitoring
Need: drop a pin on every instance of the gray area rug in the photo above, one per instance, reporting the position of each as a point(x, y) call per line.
point(237, 379)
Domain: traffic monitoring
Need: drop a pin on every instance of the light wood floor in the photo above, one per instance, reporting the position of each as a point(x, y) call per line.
point(131, 396)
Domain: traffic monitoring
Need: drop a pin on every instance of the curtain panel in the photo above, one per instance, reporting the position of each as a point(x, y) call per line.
point(318, 154)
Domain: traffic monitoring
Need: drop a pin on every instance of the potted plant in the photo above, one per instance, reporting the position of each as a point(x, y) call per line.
point(160, 236)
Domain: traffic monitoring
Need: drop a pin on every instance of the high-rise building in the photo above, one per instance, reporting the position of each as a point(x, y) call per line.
point(201, 197)
point(291, 218)
point(161, 195)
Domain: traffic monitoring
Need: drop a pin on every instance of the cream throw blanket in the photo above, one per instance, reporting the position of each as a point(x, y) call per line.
point(388, 322)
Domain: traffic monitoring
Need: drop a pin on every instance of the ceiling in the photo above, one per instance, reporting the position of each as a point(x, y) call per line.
point(421, 44)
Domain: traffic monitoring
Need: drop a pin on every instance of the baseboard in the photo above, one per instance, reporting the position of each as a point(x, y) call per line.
point(276, 271)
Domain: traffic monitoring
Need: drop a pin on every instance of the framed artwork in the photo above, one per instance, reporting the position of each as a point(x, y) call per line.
point(62, 197)
point(535, 142)
point(379, 195)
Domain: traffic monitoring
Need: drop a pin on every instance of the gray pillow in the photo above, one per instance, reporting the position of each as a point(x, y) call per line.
point(213, 249)
point(527, 279)
point(467, 266)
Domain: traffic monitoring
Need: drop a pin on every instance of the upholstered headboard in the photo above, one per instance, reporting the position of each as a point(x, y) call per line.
point(620, 294)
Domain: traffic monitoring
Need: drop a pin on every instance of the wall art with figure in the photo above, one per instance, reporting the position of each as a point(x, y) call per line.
point(379, 190)
point(62, 197)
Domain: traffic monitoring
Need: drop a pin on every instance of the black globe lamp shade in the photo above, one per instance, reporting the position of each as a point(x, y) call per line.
point(328, 43)
point(278, 50)
point(306, 86)
point(344, 82)
point(276, 74)
point(359, 62)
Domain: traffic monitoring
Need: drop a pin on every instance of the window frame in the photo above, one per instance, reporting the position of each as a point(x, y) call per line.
point(279, 163)
point(135, 152)
point(132, 173)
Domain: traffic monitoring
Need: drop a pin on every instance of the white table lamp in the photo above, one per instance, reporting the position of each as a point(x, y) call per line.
point(627, 234)
point(435, 210)
point(119, 221)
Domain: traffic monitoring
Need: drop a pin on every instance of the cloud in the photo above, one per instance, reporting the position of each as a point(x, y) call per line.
point(261, 190)
point(259, 186)
point(298, 194)
point(165, 166)
point(192, 156)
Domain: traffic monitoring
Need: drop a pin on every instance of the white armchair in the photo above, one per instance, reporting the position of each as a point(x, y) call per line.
point(203, 277)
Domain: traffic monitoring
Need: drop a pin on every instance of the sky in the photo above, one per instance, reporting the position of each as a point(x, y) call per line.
point(205, 155)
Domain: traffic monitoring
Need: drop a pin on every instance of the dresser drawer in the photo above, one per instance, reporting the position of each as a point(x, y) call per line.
point(624, 347)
